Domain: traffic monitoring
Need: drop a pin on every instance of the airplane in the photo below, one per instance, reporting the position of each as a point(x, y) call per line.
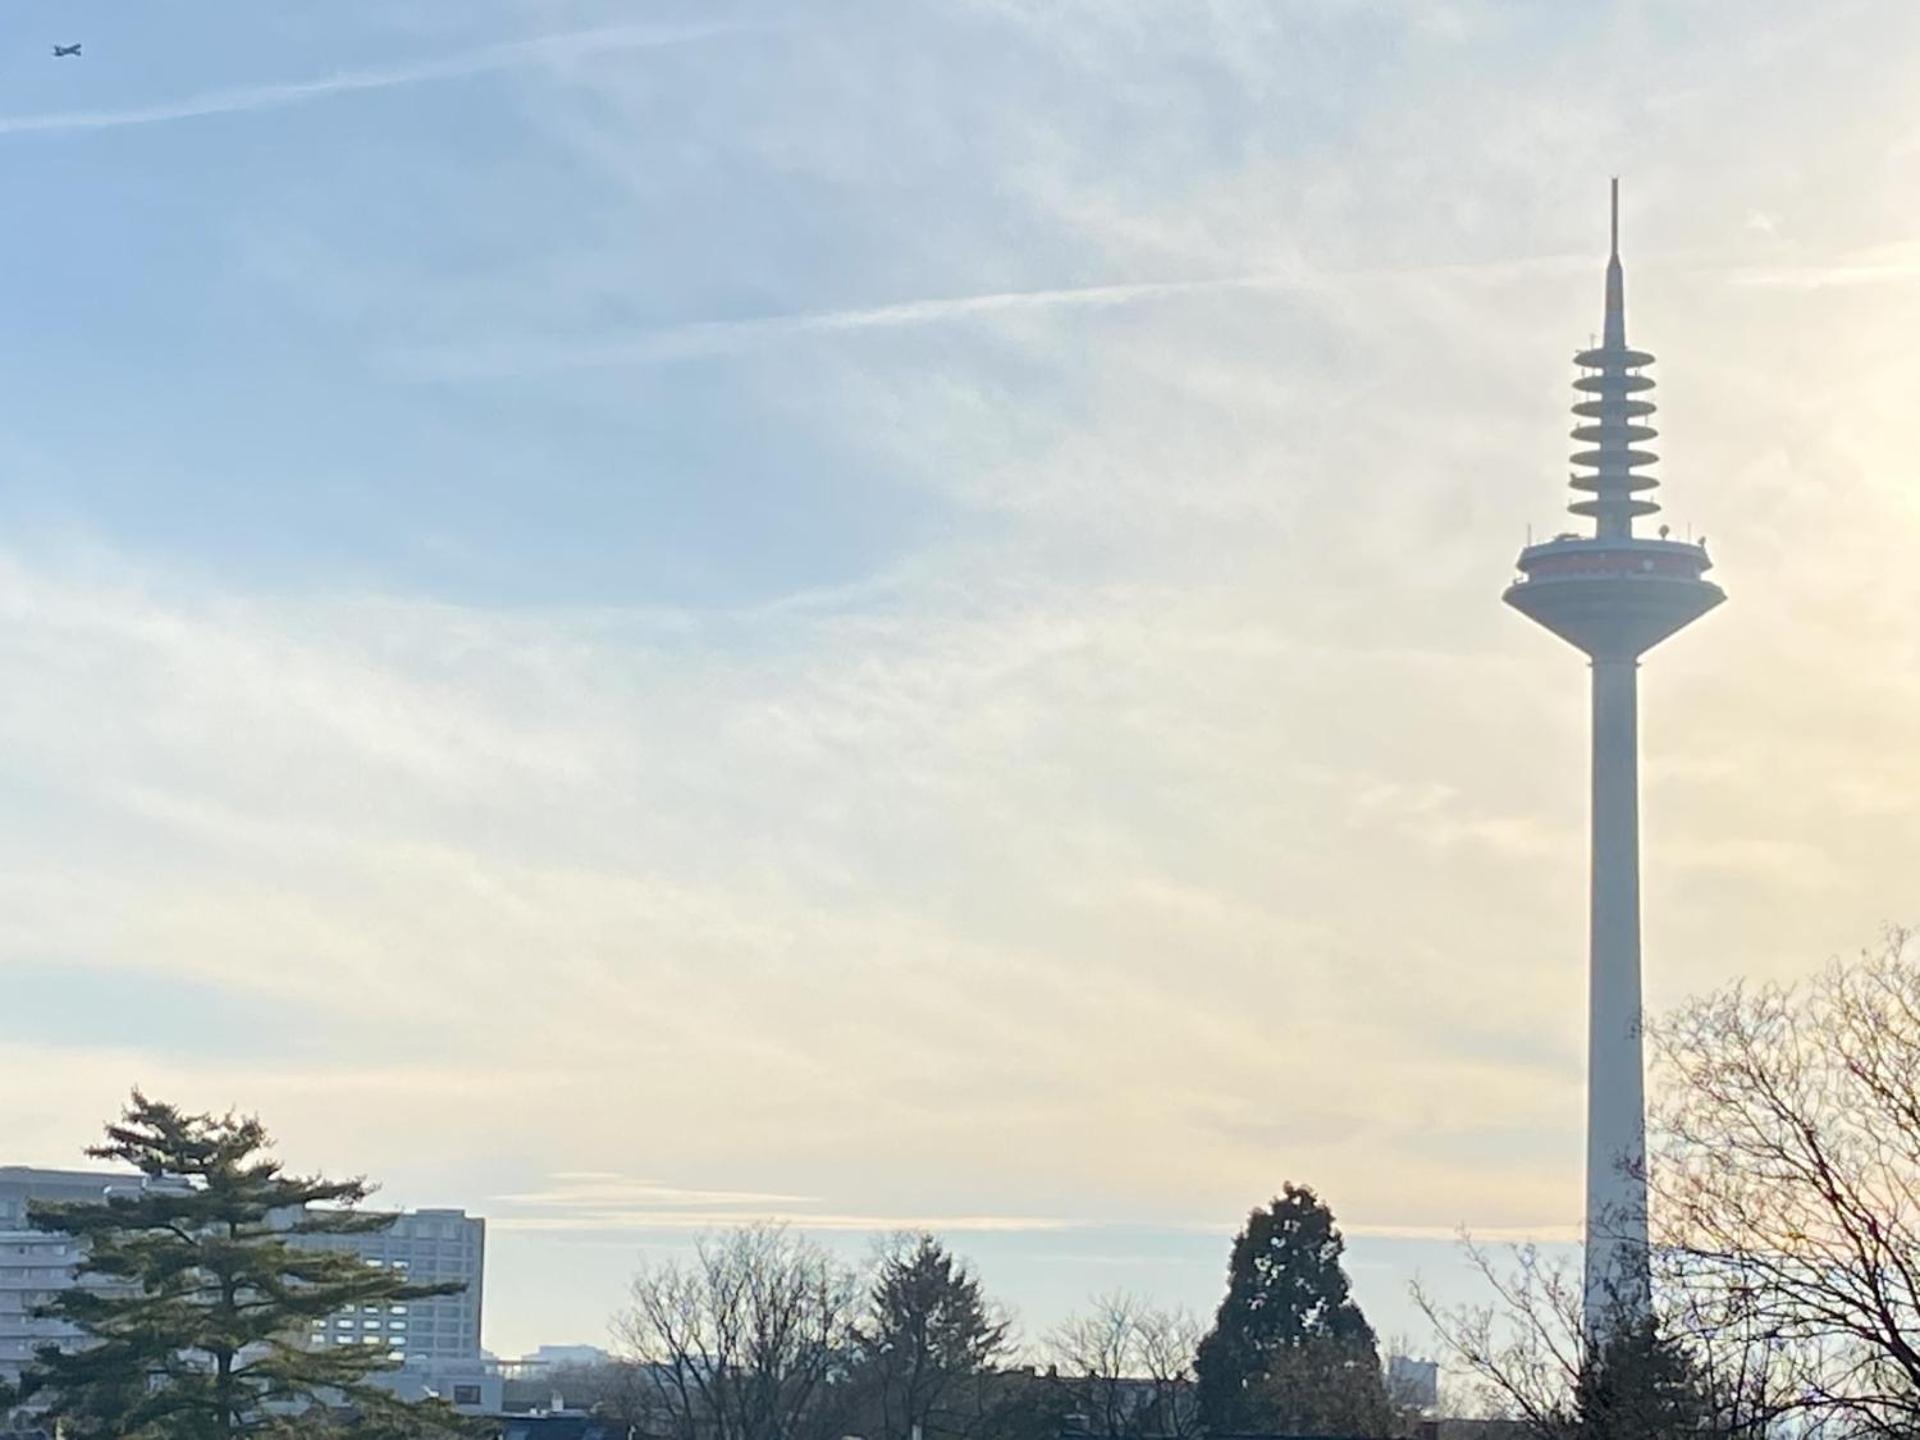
point(61, 52)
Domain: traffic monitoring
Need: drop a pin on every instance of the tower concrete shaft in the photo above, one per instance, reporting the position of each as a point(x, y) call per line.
point(1614, 595)
point(1617, 1283)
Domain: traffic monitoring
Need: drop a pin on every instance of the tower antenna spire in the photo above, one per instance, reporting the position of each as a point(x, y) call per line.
point(1614, 408)
point(1616, 312)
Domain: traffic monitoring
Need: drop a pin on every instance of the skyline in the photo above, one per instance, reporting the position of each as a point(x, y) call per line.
point(915, 705)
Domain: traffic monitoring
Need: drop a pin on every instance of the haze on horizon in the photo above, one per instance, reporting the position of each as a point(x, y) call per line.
point(635, 614)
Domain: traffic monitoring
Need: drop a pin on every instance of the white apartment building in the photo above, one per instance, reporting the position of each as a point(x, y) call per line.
point(35, 1265)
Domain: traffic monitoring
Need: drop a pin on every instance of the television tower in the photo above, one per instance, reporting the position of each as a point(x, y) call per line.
point(1614, 595)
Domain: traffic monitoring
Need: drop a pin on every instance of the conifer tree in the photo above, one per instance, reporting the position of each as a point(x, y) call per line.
point(195, 1299)
point(1289, 1350)
point(929, 1331)
point(1641, 1385)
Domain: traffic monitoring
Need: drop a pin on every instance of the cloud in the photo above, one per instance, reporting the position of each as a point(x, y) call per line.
point(675, 863)
point(616, 1221)
point(1560, 1232)
point(611, 1203)
point(591, 1191)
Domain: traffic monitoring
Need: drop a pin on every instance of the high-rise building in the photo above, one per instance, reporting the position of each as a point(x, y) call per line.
point(429, 1247)
point(1614, 595)
point(35, 1265)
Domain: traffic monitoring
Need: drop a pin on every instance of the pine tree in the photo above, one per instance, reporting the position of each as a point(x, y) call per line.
point(1289, 1350)
point(194, 1298)
point(928, 1332)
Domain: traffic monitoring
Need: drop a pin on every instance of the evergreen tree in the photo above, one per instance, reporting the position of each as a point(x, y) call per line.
point(928, 1332)
point(1641, 1385)
point(1289, 1350)
point(195, 1300)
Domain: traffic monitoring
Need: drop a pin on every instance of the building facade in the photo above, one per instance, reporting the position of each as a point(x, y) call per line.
point(34, 1265)
point(437, 1342)
point(428, 1247)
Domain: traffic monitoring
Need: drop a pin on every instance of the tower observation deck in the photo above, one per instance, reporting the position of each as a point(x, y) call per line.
point(1614, 595)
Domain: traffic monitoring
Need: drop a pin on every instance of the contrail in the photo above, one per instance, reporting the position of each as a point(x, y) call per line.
point(725, 337)
point(508, 56)
point(698, 339)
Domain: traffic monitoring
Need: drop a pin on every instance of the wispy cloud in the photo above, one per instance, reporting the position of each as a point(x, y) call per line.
point(724, 337)
point(614, 1220)
point(541, 50)
point(588, 1190)
point(590, 1203)
point(1556, 1232)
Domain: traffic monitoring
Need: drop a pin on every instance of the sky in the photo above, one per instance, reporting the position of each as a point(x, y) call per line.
point(632, 614)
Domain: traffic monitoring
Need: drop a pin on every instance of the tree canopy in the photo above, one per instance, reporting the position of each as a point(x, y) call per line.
point(928, 1333)
point(1784, 1171)
point(1532, 1362)
point(742, 1342)
point(1289, 1350)
point(1786, 1184)
point(1128, 1367)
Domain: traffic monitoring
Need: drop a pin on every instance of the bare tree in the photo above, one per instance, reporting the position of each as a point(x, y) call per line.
point(1526, 1358)
point(1521, 1350)
point(740, 1342)
point(1786, 1179)
point(1166, 1341)
point(1129, 1367)
point(1785, 1183)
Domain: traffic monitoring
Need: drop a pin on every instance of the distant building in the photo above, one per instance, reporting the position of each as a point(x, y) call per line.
point(473, 1387)
point(1414, 1383)
point(437, 1341)
point(35, 1265)
point(554, 1356)
point(428, 1247)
